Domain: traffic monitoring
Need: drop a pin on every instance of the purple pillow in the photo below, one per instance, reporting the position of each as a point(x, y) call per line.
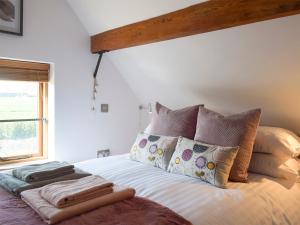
point(175, 123)
point(235, 130)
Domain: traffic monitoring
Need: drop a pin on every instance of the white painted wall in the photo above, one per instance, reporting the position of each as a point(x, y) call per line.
point(232, 70)
point(52, 33)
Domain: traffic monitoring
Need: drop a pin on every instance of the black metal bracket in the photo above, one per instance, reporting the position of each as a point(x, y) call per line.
point(98, 62)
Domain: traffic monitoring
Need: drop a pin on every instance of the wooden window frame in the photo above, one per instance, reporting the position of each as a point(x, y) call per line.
point(43, 124)
point(19, 70)
point(42, 128)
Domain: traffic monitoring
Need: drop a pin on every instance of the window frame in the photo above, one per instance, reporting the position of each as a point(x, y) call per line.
point(42, 135)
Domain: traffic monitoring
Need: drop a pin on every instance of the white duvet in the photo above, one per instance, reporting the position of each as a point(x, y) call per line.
point(261, 201)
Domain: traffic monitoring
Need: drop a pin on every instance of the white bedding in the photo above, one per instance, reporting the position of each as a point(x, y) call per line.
point(261, 201)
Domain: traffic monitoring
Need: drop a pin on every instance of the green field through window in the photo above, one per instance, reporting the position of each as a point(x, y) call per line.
point(18, 100)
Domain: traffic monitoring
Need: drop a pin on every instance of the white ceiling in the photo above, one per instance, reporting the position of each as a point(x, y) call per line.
point(231, 70)
point(101, 15)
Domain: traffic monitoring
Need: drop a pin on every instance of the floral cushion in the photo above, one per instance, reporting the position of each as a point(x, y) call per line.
point(210, 163)
point(153, 149)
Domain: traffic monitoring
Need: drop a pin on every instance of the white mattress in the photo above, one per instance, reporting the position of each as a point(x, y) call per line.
point(261, 201)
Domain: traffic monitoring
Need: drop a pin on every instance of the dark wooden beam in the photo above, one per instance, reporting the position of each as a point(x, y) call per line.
point(200, 18)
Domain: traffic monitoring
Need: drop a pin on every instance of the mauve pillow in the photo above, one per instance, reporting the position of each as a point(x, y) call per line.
point(234, 130)
point(175, 123)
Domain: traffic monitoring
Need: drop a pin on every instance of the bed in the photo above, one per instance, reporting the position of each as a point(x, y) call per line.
point(263, 200)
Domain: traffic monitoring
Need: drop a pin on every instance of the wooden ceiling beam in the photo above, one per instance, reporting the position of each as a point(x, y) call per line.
point(200, 18)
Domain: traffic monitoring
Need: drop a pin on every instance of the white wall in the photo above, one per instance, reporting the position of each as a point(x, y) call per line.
point(231, 70)
point(52, 33)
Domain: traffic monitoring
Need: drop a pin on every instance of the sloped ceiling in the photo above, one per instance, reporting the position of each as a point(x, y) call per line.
point(232, 70)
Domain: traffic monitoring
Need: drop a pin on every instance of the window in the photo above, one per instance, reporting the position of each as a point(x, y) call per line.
point(23, 112)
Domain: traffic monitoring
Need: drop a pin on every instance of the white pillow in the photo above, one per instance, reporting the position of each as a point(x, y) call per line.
point(153, 149)
point(210, 163)
point(277, 141)
point(273, 166)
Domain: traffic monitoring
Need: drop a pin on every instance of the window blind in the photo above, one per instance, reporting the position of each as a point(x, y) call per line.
point(16, 70)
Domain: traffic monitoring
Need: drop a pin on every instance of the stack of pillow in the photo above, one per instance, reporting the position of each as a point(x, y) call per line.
point(201, 143)
point(275, 153)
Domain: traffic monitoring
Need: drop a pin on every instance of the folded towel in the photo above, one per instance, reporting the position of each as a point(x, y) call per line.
point(51, 215)
point(45, 171)
point(16, 186)
point(66, 193)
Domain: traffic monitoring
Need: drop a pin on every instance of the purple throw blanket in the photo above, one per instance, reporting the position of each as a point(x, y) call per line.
point(13, 211)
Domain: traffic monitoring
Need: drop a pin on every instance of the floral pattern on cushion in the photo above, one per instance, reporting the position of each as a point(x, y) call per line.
point(210, 163)
point(153, 149)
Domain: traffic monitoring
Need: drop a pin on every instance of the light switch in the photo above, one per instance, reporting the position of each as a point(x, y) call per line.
point(104, 108)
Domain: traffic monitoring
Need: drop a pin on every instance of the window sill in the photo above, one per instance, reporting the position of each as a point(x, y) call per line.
point(22, 162)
